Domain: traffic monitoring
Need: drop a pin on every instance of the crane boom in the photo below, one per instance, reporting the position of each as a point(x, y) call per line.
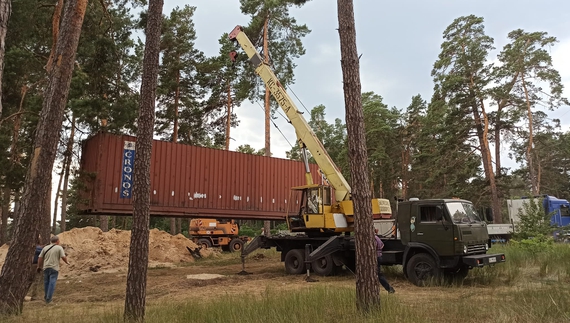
point(305, 134)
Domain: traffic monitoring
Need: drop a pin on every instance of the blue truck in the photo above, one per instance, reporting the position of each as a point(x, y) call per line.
point(558, 208)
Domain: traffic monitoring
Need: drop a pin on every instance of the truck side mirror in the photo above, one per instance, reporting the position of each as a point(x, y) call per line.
point(438, 216)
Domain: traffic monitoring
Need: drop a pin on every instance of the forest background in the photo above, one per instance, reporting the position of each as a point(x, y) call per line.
point(422, 137)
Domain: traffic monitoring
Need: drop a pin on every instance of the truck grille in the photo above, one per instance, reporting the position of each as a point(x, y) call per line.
point(478, 248)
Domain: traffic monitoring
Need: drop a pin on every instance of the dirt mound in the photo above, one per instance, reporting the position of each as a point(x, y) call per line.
point(92, 250)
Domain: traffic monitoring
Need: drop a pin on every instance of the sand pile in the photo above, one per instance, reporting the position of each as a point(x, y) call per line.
point(90, 249)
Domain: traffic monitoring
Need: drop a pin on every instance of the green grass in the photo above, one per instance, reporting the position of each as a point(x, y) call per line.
point(328, 304)
point(532, 286)
point(546, 265)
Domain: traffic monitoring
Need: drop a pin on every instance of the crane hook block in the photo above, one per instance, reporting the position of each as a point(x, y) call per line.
point(233, 55)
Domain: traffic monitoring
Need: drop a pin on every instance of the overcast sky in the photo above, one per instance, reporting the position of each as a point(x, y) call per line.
point(399, 42)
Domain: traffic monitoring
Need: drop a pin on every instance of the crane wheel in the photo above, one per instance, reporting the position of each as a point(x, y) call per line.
point(236, 245)
point(204, 243)
point(295, 261)
point(324, 266)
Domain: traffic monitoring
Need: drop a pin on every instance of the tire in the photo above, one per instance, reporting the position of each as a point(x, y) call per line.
point(204, 243)
point(422, 270)
point(295, 261)
point(324, 266)
point(236, 245)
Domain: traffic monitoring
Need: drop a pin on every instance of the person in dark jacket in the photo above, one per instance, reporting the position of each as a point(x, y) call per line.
point(37, 278)
point(381, 278)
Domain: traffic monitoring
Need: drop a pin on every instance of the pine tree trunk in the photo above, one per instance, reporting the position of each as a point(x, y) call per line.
point(229, 118)
point(498, 142)
point(104, 223)
point(14, 278)
point(5, 211)
point(45, 224)
point(175, 132)
point(367, 285)
point(482, 126)
point(138, 256)
point(173, 226)
point(69, 156)
point(56, 200)
point(267, 224)
point(529, 159)
point(5, 11)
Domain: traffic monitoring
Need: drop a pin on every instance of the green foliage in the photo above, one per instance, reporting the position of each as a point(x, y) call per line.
point(534, 222)
point(247, 149)
point(245, 230)
point(284, 41)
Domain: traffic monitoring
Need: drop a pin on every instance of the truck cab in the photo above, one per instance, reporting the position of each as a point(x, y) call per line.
point(442, 237)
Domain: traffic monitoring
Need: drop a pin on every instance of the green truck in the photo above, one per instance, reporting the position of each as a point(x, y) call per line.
point(433, 239)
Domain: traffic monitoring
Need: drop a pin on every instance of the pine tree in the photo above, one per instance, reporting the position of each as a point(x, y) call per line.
point(462, 76)
point(13, 282)
point(138, 255)
point(367, 285)
point(527, 67)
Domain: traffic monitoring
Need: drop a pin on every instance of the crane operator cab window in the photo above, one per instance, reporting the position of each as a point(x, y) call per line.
point(314, 202)
point(316, 198)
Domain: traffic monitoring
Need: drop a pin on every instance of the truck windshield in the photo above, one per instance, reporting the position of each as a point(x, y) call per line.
point(462, 212)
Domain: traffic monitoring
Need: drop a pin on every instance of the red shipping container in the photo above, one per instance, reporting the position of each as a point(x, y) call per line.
point(188, 181)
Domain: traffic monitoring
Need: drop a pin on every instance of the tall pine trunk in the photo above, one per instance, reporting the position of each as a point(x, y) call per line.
point(482, 126)
point(138, 256)
point(529, 159)
point(367, 285)
point(69, 156)
point(56, 200)
point(5, 11)
point(267, 224)
point(175, 131)
point(14, 278)
point(5, 210)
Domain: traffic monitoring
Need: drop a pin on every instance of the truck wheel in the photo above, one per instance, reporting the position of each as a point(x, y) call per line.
point(204, 243)
point(236, 245)
point(295, 261)
point(422, 269)
point(324, 266)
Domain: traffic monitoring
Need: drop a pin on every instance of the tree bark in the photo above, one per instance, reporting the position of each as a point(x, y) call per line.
point(5, 12)
point(175, 131)
point(69, 156)
point(530, 163)
point(56, 200)
point(267, 224)
point(482, 126)
point(367, 285)
point(5, 211)
point(56, 18)
point(14, 278)
point(104, 223)
point(138, 255)
point(172, 226)
point(229, 119)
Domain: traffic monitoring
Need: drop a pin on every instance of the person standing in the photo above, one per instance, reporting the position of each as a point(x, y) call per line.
point(36, 277)
point(381, 278)
point(49, 262)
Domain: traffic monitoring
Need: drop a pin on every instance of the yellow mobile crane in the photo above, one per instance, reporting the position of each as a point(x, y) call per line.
point(430, 245)
point(318, 213)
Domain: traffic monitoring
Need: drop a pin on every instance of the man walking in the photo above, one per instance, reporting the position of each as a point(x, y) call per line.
point(381, 278)
point(49, 261)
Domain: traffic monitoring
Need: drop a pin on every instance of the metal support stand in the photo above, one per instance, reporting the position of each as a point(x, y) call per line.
point(308, 278)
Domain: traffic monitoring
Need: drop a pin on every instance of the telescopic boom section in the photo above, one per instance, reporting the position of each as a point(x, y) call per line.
point(304, 132)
